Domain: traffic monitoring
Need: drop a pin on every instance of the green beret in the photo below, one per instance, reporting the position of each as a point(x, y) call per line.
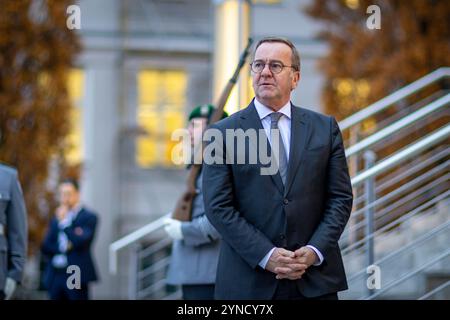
point(204, 111)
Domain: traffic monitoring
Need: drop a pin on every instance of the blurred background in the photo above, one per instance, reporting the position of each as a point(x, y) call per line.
point(99, 103)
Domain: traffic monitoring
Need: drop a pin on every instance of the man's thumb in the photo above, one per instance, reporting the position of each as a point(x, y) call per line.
point(300, 252)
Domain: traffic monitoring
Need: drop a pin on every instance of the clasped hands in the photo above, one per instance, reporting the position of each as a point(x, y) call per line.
point(291, 265)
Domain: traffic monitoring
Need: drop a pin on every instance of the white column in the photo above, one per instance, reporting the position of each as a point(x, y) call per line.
point(99, 181)
point(232, 29)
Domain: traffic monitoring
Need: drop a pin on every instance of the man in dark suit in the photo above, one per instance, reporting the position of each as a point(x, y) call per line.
point(67, 244)
point(280, 231)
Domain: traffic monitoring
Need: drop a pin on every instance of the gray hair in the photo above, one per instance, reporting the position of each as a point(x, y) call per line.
point(295, 56)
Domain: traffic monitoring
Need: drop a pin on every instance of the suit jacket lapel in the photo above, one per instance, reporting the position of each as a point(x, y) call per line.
point(77, 217)
point(250, 120)
point(300, 132)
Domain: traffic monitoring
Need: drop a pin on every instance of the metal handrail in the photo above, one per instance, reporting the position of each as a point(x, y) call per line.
point(403, 155)
point(157, 266)
point(437, 289)
point(358, 246)
point(404, 122)
point(396, 221)
point(403, 189)
point(415, 166)
point(359, 225)
point(387, 181)
point(398, 95)
point(403, 112)
point(401, 219)
point(155, 247)
point(400, 190)
point(151, 289)
point(131, 238)
point(409, 275)
point(412, 245)
point(412, 197)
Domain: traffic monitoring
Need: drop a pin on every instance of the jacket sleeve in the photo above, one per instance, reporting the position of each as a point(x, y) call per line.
point(199, 231)
point(249, 242)
point(50, 245)
point(17, 231)
point(339, 197)
point(82, 236)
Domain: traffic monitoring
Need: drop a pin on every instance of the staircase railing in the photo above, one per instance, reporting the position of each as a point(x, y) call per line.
point(395, 97)
point(435, 290)
point(411, 119)
point(402, 279)
point(445, 227)
point(403, 155)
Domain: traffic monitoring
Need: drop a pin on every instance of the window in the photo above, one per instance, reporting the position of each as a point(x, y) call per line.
point(266, 1)
point(352, 4)
point(352, 94)
point(75, 85)
point(161, 101)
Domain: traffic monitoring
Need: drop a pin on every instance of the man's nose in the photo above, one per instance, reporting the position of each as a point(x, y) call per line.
point(266, 70)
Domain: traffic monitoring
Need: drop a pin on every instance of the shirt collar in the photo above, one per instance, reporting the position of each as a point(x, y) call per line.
point(75, 210)
point(264, 111)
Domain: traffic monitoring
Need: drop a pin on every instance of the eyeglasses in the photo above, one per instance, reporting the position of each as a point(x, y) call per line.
point(274, 66)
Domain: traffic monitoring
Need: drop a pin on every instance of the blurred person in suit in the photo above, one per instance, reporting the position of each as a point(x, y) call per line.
point(13, 232)
point(196, 244)
point(68, 243)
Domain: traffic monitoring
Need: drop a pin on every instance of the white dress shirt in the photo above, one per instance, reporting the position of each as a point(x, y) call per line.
point(60, 260)
point(284, 125)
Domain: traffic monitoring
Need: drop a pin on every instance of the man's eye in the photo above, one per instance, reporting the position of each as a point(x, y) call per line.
point(277, 65)
point(258, 64)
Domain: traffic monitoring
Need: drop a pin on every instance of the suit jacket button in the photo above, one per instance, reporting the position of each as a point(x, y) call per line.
point(282, 236)
point(285, 201)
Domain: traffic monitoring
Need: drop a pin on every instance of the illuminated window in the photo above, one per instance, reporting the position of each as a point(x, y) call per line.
point(161, 101)
point(74, 154)
point(352, 94)
point(266, 1)
point(352, 4)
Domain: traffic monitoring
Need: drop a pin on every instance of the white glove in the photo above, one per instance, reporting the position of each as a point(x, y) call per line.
point(10, 287)
point(173, 228)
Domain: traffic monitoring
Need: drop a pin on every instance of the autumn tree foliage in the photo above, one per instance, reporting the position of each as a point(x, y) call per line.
point(364, 65)
point(36, 52)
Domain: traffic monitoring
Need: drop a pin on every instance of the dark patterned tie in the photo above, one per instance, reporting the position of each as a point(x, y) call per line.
point(281, 158)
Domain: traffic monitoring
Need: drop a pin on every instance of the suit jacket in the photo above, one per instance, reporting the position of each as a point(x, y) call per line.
point(81, 234)
point(13, 219)
point(194, 258)
point(254, 212)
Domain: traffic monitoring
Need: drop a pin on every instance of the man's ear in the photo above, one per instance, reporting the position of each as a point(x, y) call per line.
point(295, 80)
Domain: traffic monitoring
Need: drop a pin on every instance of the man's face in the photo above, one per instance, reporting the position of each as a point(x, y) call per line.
point(68, 195)
point(274, 90)
point(196, 127)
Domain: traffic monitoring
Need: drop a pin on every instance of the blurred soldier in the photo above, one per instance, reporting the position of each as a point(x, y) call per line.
point(195, 249)
point(68, 243)
point(13, 232)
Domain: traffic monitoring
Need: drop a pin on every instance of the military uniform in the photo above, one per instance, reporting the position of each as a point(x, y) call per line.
point(13, 227)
